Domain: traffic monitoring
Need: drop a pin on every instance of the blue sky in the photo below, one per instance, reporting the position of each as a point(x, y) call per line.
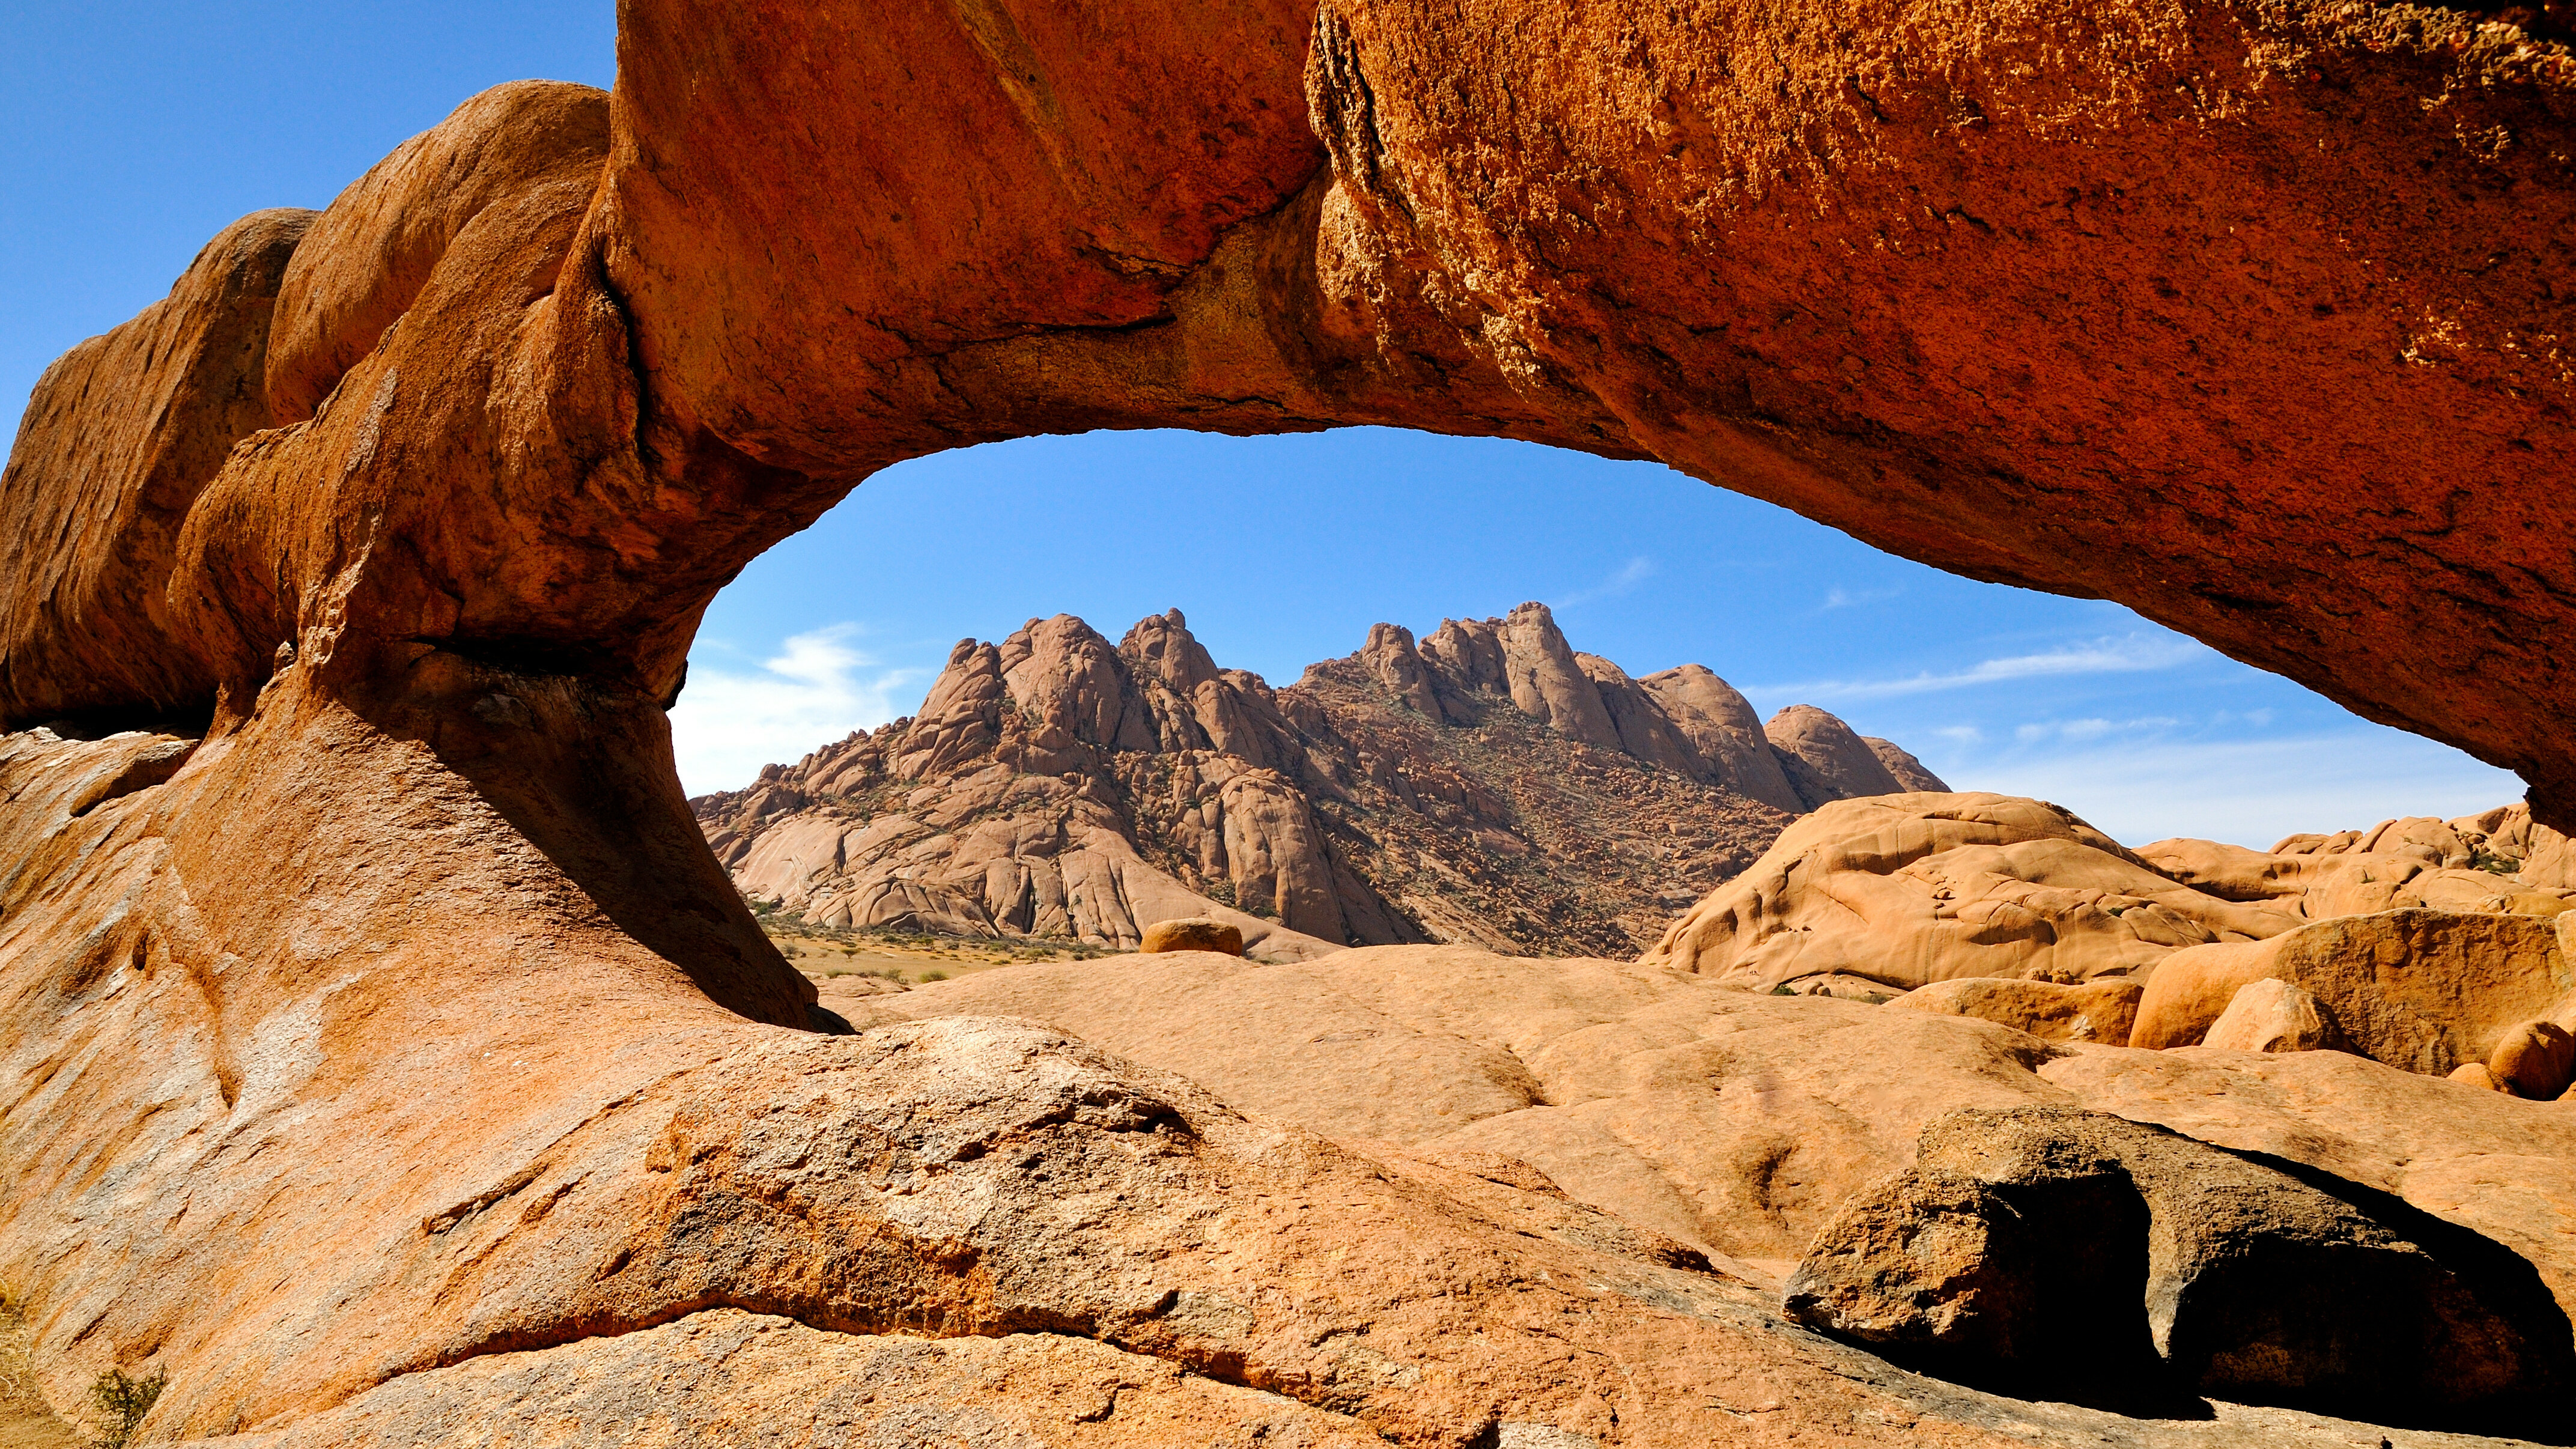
point(138, 131)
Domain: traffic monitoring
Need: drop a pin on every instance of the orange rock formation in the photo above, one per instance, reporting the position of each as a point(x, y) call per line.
point(385, 1049)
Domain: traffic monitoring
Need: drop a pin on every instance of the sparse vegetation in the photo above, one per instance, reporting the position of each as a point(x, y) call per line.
point(2487, 860)
point(121, 1401)
point(17, 1383)
point(890, 954)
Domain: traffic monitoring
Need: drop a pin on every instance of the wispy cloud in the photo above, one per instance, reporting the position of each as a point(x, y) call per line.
point(2080, 731)
point(2248, 792)
point(1636, 571)
point(816, 689)
point(2126, 655)
point(1842, 598)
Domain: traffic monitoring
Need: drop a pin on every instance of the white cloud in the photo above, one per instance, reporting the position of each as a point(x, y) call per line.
point(2131, 654)
point(1842, 598)
point(1636, 571)
point(817, 689)
point(2079, 731)
point(2248, 792)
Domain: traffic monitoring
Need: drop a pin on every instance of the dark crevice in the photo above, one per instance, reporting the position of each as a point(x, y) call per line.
point(190, 719)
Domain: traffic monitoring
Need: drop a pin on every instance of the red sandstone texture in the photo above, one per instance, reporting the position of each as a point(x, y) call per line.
point(385, 1050)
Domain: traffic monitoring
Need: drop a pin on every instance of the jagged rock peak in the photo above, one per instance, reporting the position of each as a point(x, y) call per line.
point(1684, 719)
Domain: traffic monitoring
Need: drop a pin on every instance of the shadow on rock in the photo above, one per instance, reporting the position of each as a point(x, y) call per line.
point(2058, 1254)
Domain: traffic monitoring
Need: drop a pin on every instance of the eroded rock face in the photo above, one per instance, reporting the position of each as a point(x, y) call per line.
point(2418, 989)
point(120, 437)
point(1392, 235)
point(2069, 1245)
point(1907, 890)
point(1912, 891)
point(2271, 1015)
point(2101, 1011)
point(1825, 761)
point(1193, 933)
point(1054, 785)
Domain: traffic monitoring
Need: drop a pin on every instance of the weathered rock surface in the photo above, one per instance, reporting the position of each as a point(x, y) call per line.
point(1400, 234)
point(945, 1177)
point(1906, 890)
point(2273, 1016)
point(1053, 785)
point(1825, 761)
point(2101, 1010)
point(1975, 904)
point(1735, 1122)
point(504, 1196)
point(2397, 864)
point(118, 440)
point(2051, 1245)
point(2536, 1059)
point(1195, 933)
point(346, 1054)
point(2484, 1160)
point(1728, 1121)
point(2418, 989)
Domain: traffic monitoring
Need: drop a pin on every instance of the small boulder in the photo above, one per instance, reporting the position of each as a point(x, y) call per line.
point(2191, 989)
point(2021, 1286)
point(1193, 933)
point(2476, 1074)
point(2096, 1011)
point(2536, 1060)
point(2275, 1016)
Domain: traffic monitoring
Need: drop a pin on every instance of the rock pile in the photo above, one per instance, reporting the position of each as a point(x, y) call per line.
point(1492, 786)
point(2420, 944)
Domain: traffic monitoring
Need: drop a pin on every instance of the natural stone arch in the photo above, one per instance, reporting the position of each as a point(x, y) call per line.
point(2244, 315)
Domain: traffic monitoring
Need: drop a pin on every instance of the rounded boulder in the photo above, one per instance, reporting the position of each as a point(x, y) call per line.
point(1193, 933)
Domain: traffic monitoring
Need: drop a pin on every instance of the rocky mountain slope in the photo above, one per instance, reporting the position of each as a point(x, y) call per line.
point(1489, 785)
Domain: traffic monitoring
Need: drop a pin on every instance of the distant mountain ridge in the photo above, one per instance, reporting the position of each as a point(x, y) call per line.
point(1487, 785)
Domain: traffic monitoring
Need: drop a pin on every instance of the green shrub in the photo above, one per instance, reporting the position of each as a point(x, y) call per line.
point(122, 1400)
point(2487, 860)
point(934, 975)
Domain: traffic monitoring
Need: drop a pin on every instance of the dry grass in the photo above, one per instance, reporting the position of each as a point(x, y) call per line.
point(26, 1421)
point(908, 958)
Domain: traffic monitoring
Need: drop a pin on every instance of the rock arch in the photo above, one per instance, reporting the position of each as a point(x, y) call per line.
point(2248, 316)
